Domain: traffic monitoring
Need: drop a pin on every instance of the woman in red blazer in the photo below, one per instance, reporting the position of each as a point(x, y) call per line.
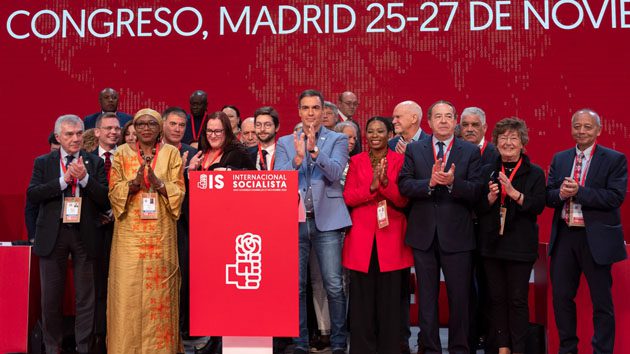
point(374, 249)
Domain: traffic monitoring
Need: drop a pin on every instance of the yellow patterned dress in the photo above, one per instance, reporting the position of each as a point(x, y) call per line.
point(144, 278)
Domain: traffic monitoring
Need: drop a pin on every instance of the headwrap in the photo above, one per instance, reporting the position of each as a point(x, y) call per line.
point(148, 112)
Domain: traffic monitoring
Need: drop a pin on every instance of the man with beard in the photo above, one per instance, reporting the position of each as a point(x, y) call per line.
point(267, 124)
point(198, 110)
point(108, 99)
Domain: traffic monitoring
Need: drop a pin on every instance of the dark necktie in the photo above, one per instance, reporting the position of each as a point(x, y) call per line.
point(263, 161)
point(68, 191)
point(440, 154)
point(108, 164)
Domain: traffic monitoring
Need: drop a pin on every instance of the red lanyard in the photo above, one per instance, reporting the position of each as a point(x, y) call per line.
point(194, 131)
point(483, 147)
point(511, 177)
point(583, 179)
point(273, 158)
point(205, 159)
point(74, 180)
point(445, 153)
point(146, 173)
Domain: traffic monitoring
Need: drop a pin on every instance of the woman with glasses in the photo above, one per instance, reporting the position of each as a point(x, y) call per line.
point(219, 148)
point(146, 190)
point(513, 197)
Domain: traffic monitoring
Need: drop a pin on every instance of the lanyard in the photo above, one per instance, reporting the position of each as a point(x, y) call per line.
point(273, 158)
point(207, 157)
point(194, 131)
point(445, 153)
point(74, 180)
point(483, 147)
point(511, 177)
point(146, 173)
point(583, 180)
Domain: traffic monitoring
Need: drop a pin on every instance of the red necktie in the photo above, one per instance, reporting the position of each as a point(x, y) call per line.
point(577, 176)
point(108, 163)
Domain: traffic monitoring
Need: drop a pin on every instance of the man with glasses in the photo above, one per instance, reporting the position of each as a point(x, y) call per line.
point(320, 156)
point(348, 103)
point(70, 187)
point(266, 124)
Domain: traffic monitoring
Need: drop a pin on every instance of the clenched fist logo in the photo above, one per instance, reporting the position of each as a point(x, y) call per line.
point(246, 273)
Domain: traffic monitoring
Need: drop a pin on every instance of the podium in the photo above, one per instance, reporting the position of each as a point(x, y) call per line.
point(244, 257)
point(19, 297)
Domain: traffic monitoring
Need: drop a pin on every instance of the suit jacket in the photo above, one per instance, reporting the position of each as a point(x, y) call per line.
point(89, 122)
point(447, 212)
point(601, 196)
point(393, 254)
point(44, 190)
point(188, 133)
point(182, 222)
point(328, 204)
point(490, 155)
point(393, 141)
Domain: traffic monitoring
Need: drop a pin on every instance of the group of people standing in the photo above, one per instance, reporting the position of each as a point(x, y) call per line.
point(464, 206)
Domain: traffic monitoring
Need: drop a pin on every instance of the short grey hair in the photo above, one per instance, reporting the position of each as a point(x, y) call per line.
point(590, 112)
point(67, 119)
point(469, 111)
point(335, 109)
point(339, 127)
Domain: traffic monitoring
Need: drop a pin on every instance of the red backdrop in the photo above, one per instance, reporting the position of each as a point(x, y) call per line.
point(541, 74)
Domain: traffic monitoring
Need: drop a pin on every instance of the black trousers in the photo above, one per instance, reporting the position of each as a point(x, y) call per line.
point(457, 273)
point(101, 271)
point(508, 285)
point(375, 311)
point(570, 258)
point(53, 278)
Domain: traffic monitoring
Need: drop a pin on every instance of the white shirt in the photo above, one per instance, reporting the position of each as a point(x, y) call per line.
point(447, 143)
point(270, 151)
point(101, 153)
point(62, 182)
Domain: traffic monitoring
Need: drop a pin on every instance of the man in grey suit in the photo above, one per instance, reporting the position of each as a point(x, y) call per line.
point(320, 156)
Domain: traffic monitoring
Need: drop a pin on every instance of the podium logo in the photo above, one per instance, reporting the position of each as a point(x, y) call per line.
point(210, 182)
point(246, 273)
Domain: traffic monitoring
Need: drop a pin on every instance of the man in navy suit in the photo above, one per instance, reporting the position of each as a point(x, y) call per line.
point(198, 111)
point(108, 99)
point(57, 179)
point(406, 119)
point(586, 187)
point(320, 156)
point(441, 176)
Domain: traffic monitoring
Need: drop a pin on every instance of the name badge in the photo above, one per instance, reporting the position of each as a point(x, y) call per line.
point(71, 210)
point(381, 214)
point(502, 215)
point(576, 218)
point(149, 208)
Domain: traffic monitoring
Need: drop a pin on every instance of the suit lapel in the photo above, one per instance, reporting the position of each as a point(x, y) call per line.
point(454, 154)
point(55, 162)
point(427, 151)
point(594, 166)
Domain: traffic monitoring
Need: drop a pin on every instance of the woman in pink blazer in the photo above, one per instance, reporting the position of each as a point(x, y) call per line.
point(374, 249)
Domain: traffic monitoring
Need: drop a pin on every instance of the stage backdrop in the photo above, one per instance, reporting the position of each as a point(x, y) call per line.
point(538, 60)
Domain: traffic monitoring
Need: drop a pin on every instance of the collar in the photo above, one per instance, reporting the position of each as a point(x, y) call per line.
point(587, 152)
point(446, 142)
point(416, 136)
point(101, 151)
point(343, 117)
point(64, 154)
point(483, 140)
point(271, 148)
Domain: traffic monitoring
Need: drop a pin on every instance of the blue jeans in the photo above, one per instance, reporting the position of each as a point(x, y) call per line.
point(327, 247)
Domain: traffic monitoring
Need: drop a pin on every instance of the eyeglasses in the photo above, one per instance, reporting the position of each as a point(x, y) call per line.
point(144, 125)
point(109, 129)
point(266, 125)
point(350, 103)
point(217, 132)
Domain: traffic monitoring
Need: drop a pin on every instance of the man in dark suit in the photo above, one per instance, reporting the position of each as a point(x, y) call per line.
point(406, 119)
point(267, 124)
point(347, 107)
point(586, 187)
point(58, 179)
point(173, 130)
point(108, 133)
point(441, 177)
point(198, 110)
point(108, 99)
point(473, 126)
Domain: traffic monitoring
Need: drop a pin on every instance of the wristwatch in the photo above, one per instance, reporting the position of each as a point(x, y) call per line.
point(315, 149)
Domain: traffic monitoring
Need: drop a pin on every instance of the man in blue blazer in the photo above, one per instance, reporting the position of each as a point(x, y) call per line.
point(320, 156)
point(68, 172)
point(108, 99)
point(586, 187)
point(441, 177)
